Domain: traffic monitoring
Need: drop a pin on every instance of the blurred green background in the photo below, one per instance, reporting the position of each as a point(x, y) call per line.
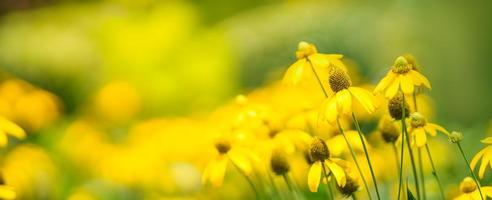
point(190, 56)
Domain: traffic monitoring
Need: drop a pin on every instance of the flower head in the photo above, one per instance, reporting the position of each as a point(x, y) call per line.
point(485, 155)
point(419, 127)
point(389, 131)
point(402, 75)
point(279, 163)
point(345, 97)
point(395, 107)
point(470, 190)
point(323, 164)
point(307, 57)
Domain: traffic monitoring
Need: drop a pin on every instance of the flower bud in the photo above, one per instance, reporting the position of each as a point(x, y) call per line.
point(455, 137)
point(417, 120)
point(468, 185)
point(401, 65)
point(305, 49)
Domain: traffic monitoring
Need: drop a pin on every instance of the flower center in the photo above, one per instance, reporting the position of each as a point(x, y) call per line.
point(319, 150)
point(388, 130)
point(338, 79)
point(401, 66)
point(223, 146)
point(417, 120)
point(279, 162)
point(394, 107)
point(305, 49)
point(468, 185)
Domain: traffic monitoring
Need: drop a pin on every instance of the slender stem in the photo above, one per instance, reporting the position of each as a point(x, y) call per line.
point(421, 169)
point(415, 101)
point(274, 185)
point(353, 196)
point(471, 171)
point(412, 158)
point(290, 185)
point(354, 157)
point(248, 179)
point(434, 172)
point(395, 151)
point(366, 154)
point(402, 154)
point(327, 180)
point(317, 77)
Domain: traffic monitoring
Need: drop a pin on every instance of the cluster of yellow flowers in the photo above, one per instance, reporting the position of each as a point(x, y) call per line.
point(301, 130)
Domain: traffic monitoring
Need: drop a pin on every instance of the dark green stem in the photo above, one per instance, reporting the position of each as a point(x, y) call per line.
point(317, 77)
point(471, 171)
point(250, 182)
point(395, 151)
point(327, 181)
point(422, 175)
point(401, 155)
point(434, 172)
point(366, 153)
point(412, 158)
point(354, 157)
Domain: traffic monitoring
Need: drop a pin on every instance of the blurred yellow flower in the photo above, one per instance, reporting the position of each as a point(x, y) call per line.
point(486, 156)
point(9, 128)
point(216, 168)
point(117, 101)
point(401, 75)
point(321, 156)
point(419, 127)
point(345, 97)
point(470, 192)
point(307, 57)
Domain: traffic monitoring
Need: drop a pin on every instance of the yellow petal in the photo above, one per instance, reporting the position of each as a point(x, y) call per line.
point(406, 84)
point(218, 171)
point(419, 79)
point(3, 139)
point(487, 190)
point(364, 97)
point(393, 88)
point(477, 157)
point(207, 170)
point(11, 128)
point(420, 137)
point(487, 140)
point(241, 160)
point(294, 72)
point(430, 129)
point(437, 127)
point(337, 172)
point(483, 166)
point(7, 192)
point(385, 82)
point(344, 102)
point(329, 110)
point(314, 176)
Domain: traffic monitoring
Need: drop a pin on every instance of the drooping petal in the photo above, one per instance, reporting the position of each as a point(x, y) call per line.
point(240, 159)
point(294, 72)
point(364, 97)
point(385, 82)
point(329, 110)
point(487, 140)
point(337, 172)
point(420, 137)
point(483, 166)
point(406, 84)
point(419, 79)
point(344, 102)
point(393, 88)
point(314, 176)
point(218, 170)
point(11, 128)
point(437, 127)
point(477, 157)
point(430, 129)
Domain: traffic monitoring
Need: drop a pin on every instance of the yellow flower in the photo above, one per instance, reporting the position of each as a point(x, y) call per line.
point(345, 97)
point(403, 75)
point(470, 191)
point(486, 156)
point(9, 128)
point(419, 127)
point(306, 55)
point(338, 147)
point(321, 157)
point(215, 170)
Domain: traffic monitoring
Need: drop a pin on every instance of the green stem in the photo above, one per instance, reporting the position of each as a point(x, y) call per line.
point(415, 101)
point(395, 151)
point(412, 158)
point(434, 172)
point(250, 182)
point(327, 181)
point(366, 153)
point(317, 77)
point(401, 154)
point(354, 157)
point(290, 185)
point(274, 185)
point(471, 171)
point(353, 196)
point(422, 175)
